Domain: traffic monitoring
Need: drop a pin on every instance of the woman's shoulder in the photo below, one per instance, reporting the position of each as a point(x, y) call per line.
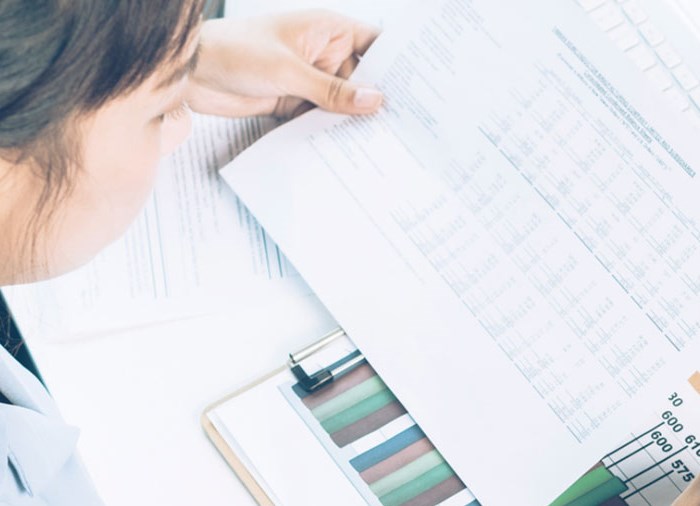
point(38, 460)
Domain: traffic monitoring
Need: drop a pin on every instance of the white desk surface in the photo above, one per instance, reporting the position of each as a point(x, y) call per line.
point(138, 396)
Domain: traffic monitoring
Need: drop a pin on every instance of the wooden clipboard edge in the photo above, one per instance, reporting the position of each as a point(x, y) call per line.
point(241, 471)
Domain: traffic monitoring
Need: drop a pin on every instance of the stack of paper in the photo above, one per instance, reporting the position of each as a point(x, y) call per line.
point(512, 241)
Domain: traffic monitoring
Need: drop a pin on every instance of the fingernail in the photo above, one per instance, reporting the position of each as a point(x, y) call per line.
point(367, 98)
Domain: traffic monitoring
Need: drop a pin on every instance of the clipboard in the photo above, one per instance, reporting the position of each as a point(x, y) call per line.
point(362, 429)
point(322, 374)
point(232, 459)
point(311, 382)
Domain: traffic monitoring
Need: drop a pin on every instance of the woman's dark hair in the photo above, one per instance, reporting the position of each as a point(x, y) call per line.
point(58, 56)
point(63, 58)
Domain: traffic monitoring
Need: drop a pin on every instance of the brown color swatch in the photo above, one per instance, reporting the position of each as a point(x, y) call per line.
point(397, 461)
point(344, 383)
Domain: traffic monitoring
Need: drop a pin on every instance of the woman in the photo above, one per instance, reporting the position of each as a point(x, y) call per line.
point(92, 94)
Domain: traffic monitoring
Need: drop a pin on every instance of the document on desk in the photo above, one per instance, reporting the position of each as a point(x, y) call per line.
point(195, 249)
point(512, 241)
point(368, 11)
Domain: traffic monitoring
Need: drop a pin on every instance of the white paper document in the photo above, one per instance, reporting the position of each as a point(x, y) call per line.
point(512, 241)
point(195, 249)
point(368, 11)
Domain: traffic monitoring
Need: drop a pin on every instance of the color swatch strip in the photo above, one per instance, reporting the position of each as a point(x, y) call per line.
point(395, 459)
point(353, 406)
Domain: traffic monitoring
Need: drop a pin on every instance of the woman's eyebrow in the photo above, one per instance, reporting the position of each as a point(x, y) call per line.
point(182, 71)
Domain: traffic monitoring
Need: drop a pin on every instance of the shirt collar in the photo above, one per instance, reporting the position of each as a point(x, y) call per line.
point(22, 388)
point(36, 445)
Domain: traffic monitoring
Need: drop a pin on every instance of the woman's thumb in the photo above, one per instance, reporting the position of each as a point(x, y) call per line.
point(334, 93)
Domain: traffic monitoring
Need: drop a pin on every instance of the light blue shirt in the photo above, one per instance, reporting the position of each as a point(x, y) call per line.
point(38, 461)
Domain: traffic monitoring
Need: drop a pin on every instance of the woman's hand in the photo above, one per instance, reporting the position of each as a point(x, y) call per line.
point(691, 496)
point(280, 65)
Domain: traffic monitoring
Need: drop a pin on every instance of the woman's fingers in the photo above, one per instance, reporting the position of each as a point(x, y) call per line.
point(348, 67)
point(691, 496)
point(273, 65)
point(332, 92)
point(363, 37)
point(207, 100)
